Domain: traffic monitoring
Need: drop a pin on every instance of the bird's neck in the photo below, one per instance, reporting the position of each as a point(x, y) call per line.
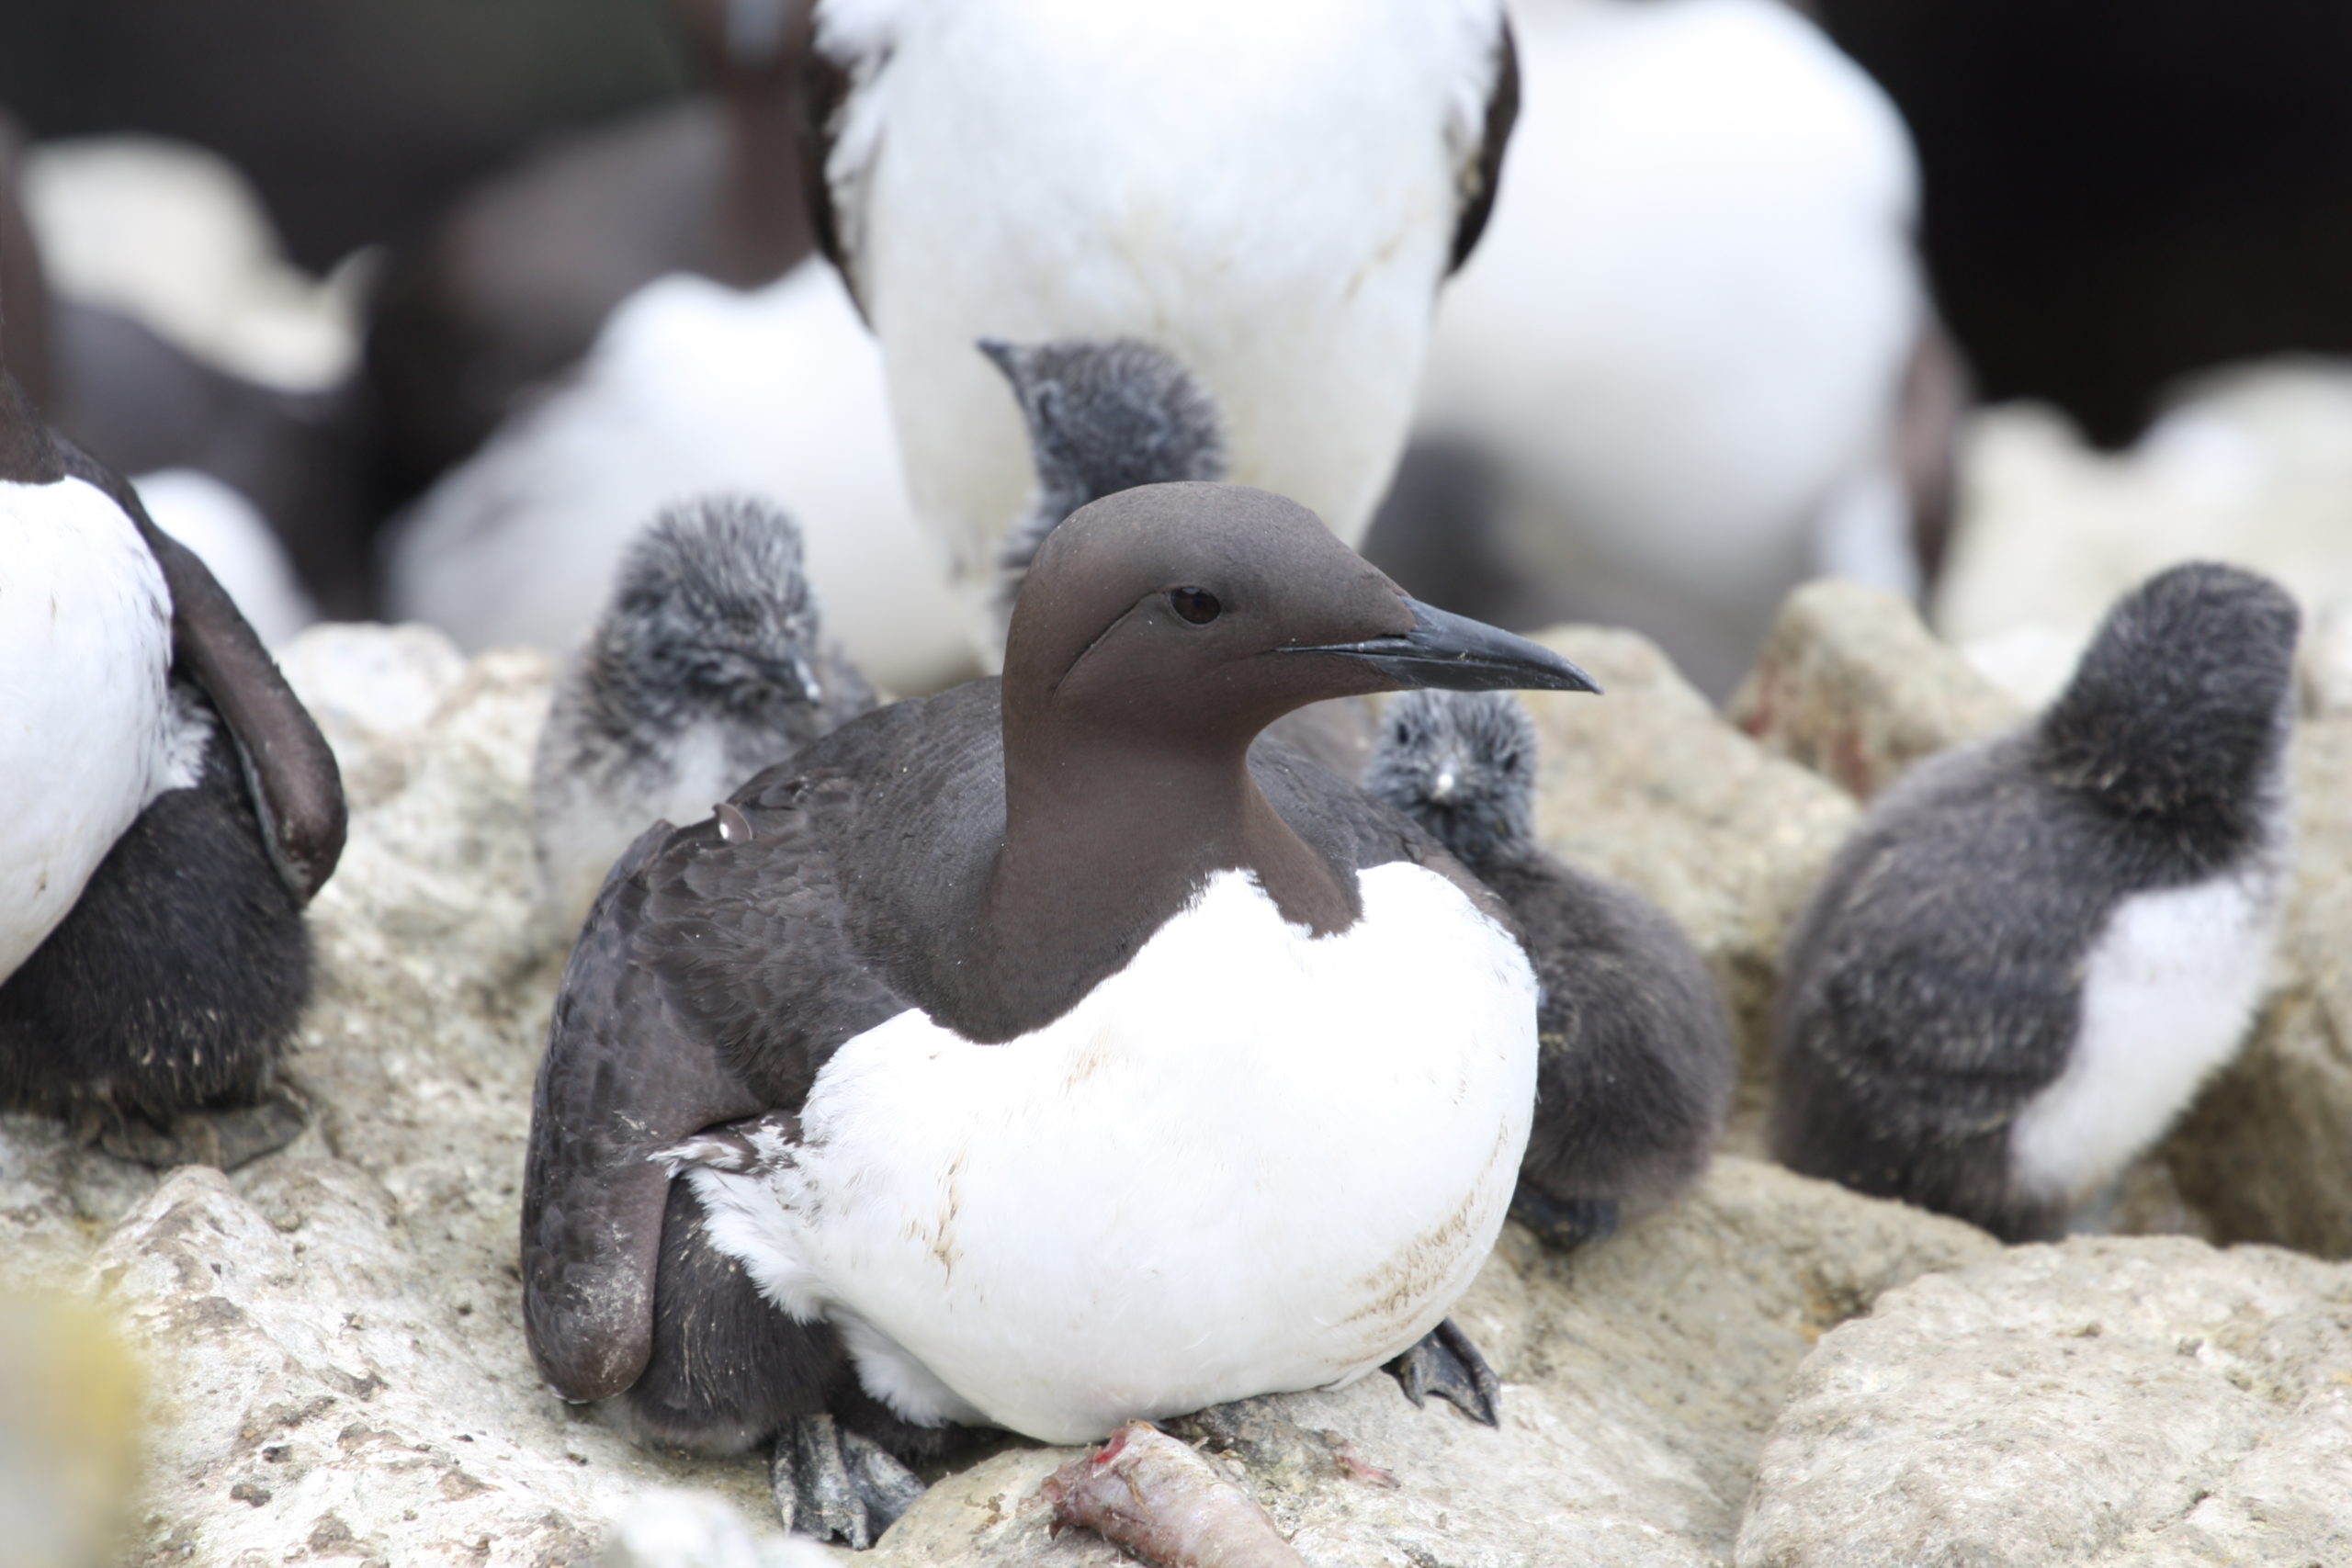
point(1103, 844)
point(761, 229)
point(28, 455)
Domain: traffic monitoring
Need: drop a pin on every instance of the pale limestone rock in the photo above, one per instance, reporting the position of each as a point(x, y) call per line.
point(2327, 662)
point(371, 691)
point(1647, 784)
point(2148, 1402)
point(1640, 1377)
point(2251, 467)
point(1852, 684)
point(58, 1199)
point(334, 1331)
point(328, 1378)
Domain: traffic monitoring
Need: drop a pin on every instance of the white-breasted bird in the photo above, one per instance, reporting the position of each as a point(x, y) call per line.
point(1272, 192)
point(166, 809)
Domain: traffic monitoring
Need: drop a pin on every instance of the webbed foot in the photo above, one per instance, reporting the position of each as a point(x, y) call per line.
point(1565, 1223)
point(834, 1484)
point(226, 1137)
point(1446, 1364)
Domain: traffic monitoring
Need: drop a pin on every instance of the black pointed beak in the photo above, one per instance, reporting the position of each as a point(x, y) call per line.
point(1456, 653)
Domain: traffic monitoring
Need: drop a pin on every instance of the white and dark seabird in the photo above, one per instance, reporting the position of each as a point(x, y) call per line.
point(2034, 949)
point(1043, 1055)
point(166, 810)
point(1636, 1068)
point(708, 665)
point(1273, 194)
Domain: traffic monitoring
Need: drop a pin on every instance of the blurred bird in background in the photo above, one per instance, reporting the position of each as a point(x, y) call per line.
point(1697, 359)
point(1271, 194)
point(1696, 339)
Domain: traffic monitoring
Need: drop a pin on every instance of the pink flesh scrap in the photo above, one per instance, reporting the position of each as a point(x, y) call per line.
point(1152, 1494)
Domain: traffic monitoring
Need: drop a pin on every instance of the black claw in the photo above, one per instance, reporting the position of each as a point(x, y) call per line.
point(1446, 1364)
point(1565, 1223)
point(835, 1485)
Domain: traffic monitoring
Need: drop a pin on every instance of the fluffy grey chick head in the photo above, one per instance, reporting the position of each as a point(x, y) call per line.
point(1462, 765)
point(1104, 416)
point(2182, 704)
point(710, 612)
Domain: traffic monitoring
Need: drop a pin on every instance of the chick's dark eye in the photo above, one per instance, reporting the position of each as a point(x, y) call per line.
point(1197, 605)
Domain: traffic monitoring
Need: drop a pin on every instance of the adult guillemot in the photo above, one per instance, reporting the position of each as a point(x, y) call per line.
point(708, 665)
point(2034, 949)
point(170, 807)
point(1040, 1055)
point(1636, 1071)
point(1273, 193)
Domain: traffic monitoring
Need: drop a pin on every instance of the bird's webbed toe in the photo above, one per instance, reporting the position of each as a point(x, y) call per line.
point(224, 1138)
point(1565, 1223)
point(1446, 1364)
point(837, 1485)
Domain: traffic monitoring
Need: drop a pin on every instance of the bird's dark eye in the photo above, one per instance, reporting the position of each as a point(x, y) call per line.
point(1197, 605)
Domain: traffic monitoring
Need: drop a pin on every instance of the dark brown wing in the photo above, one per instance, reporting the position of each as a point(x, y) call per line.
point(753, 948)
point(297, 788)
point(1484, 176)
point(1350, 828)
point(711, 981)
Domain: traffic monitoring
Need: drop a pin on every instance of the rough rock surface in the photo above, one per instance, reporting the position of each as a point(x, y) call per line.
point(1647, 784)
point(1640, 1377)
point(2251, 467)
point(331, 1333)
point(2266, 1154)
point(2148, 1402)
point(1852, 684)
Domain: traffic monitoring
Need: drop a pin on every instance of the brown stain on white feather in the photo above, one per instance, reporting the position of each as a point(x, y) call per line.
point(1414, 1272)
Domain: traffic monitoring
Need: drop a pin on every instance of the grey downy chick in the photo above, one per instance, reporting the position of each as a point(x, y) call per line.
point(1104, 415)
point(709, 664)
point(2034, 949)
point(1636, 1068)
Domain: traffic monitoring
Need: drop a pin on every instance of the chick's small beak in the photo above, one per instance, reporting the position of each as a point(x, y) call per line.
point(807, 679)
point(792, 674)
